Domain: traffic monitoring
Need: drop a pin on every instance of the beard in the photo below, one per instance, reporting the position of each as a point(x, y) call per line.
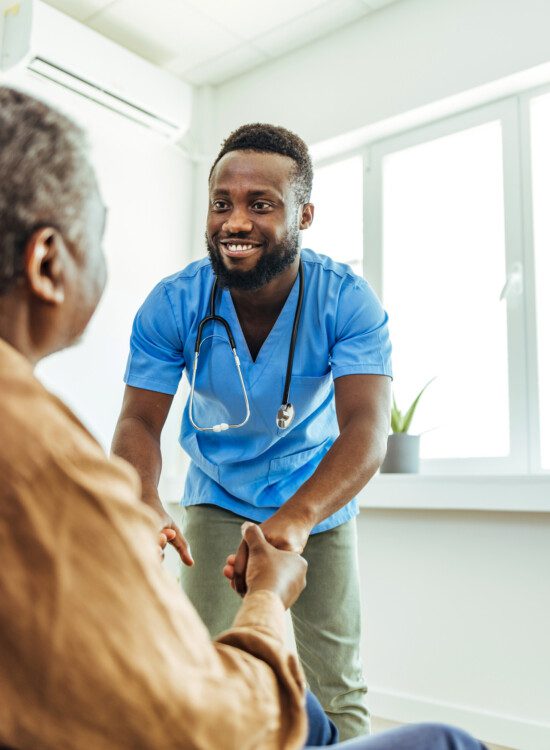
point(268, 266)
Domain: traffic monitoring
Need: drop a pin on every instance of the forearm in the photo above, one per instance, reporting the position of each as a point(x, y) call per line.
point(348, 466)
point(259, 630)
point(134, 442)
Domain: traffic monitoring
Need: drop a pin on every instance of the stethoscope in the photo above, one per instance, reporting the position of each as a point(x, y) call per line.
point(286, 412)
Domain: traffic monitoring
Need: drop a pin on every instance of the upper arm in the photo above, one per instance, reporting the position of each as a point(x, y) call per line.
point(361, 358)
point(366, 398)
point(156, 358)
point(148, 407)
point(361, 338)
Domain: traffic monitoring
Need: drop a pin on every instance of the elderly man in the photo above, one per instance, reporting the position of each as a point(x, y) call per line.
point(99, 650)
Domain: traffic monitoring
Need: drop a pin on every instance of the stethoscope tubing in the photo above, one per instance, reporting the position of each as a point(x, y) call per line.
point(286, 407)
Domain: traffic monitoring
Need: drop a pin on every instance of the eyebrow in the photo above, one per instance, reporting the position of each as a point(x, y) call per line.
point(251, 193)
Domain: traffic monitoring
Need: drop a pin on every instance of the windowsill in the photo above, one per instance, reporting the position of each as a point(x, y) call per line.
point(513, 493)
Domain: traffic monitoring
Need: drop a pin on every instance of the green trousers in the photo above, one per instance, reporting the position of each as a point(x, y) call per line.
point(326, 618)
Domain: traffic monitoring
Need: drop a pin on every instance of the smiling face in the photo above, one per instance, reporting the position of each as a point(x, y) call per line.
point(254, 219)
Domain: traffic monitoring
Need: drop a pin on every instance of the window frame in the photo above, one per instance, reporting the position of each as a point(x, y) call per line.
point(513, 114)
point(531, 334)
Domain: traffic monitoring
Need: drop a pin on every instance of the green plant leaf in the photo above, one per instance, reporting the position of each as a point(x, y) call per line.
point(407, 419)
point(396, 418)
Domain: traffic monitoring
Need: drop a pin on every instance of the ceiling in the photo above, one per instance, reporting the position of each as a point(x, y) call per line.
point(210, 41)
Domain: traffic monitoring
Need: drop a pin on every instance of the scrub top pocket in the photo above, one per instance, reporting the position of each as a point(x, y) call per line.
point(282, 470)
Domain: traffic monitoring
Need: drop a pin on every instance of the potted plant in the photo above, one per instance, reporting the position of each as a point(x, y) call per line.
point(403, 454)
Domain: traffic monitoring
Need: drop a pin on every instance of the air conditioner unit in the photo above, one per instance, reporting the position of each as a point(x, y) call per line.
point(46, 43)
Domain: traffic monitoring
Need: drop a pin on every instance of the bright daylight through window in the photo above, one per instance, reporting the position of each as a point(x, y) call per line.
point(443, 271)
point(337, 229)
point(540, 149)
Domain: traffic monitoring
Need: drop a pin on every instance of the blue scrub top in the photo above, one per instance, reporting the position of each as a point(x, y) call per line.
point(253, 470)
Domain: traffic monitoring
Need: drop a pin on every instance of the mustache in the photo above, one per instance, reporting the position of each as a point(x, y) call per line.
point(269, 265)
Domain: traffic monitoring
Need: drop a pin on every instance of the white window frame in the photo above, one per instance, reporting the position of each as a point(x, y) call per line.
point(513, 114)
point(531, 338)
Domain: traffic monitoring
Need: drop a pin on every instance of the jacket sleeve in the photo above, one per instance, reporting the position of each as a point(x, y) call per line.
point(100, 648)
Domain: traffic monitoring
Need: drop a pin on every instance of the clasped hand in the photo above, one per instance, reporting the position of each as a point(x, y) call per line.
point(281, 534)
point(268, 558)
point(268, 568)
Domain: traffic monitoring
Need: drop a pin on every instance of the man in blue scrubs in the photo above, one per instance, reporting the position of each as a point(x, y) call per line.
point(299, 483)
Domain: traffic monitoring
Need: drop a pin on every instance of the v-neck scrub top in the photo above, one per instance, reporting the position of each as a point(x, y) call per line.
point(253, 470)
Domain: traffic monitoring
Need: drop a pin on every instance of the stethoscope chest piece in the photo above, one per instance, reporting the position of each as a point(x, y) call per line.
point(285, 416)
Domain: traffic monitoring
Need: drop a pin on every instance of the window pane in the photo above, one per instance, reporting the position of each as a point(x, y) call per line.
point(444, 268)
point(540, 142)
point(337, 229)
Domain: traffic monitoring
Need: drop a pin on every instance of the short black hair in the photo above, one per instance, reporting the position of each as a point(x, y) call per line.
point(277, 140)
point(45, 177)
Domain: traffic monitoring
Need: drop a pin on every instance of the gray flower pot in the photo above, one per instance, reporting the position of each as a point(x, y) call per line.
point(403, 454)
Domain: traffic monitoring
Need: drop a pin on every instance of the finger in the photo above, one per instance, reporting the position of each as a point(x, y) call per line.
point(230, 560)
point(180, 544)
point(169, 532)
point(241, 561)
point(229, 572)
point(163, 540)
point(253, 536)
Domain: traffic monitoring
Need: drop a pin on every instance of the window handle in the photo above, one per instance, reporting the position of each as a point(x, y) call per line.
point(513, 286)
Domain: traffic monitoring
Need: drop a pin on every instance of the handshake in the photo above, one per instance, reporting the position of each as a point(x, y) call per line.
point(258, 565)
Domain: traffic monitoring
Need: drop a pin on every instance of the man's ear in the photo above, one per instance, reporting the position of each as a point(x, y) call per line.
point(44, 256)
point(306, 215)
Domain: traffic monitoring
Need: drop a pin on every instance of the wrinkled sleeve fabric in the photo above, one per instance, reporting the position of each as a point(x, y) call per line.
point(362, 343)
point(100, 648)
point(156, 359)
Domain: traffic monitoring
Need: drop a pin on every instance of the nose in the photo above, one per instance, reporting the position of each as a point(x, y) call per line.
point(238, 221)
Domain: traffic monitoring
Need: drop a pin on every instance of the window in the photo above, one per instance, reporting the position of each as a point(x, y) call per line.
point(337, 229)
point(462, 267)
point(443, 269)
point(540, 166)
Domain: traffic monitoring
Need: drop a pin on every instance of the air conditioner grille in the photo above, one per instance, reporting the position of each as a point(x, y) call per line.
point(89, 90)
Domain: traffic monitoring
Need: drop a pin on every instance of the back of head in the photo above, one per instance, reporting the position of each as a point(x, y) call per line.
point(266, 138)
point(45, 177)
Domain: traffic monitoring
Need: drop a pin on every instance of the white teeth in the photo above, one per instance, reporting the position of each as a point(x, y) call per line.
point(239, 248)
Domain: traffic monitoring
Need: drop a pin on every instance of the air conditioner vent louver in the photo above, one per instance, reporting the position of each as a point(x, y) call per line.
point(45, 69)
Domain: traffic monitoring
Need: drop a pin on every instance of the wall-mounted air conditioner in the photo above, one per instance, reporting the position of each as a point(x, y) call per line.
point(46, 43)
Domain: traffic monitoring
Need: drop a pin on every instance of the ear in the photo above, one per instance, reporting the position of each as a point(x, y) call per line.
point(44, 258)
point(306, 215)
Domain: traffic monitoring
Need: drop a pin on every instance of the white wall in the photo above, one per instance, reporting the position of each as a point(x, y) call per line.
point(405, 56)
point(146, 184)
point(457, 604)
point(457, 619)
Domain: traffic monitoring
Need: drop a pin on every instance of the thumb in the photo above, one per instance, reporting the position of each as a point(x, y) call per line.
point(253, 536)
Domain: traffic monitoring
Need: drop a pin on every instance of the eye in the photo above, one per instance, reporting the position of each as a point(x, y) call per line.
point(261, 206)
point(219, 205)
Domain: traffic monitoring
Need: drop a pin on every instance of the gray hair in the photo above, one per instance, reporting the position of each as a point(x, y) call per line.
point(45, 177)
